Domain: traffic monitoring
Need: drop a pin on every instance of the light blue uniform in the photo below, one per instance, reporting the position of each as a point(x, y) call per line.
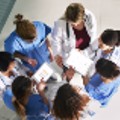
point(37, 49)
point(100, 90)
point(34, 106)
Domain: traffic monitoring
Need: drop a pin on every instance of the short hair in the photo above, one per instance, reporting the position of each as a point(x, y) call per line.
point(24, 28)
point(107, 68)
point(74, 12)
point(110, 37)
point(5, 60)
point(118, 32)
point(68, 103)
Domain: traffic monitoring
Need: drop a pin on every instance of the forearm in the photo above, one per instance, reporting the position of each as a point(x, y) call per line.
point(85, 80)
point(21, 56)
point(45, 100)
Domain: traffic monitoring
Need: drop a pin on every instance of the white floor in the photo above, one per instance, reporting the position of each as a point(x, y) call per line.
point(107, 13)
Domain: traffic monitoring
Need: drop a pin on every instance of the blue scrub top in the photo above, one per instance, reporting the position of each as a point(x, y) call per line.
point(100, 90)
point(34, 106)
point(37, 49)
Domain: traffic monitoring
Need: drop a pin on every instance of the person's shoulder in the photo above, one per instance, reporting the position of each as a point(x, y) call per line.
point(88, 12)
point(60, 23)
point(38, 24)
point(13, 36)
point(41, 116)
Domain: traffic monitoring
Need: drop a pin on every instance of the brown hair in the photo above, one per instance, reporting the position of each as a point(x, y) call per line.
point(68, 103)
point(24, 28)
point(21, 88)
point(74, 12)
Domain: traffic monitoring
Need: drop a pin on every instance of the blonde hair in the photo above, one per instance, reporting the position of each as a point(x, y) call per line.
point(24, 28)
point(74, 12)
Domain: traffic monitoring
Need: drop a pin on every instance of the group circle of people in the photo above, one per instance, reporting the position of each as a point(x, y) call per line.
point(33, 43)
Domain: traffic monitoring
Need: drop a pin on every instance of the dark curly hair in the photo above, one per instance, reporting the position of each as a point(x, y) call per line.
point(68, 103)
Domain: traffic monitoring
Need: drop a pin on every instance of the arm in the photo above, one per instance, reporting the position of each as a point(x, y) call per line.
point(91, 24)
point(23, 57)
point(50, 49)
point(90, 51)
point(85, 80)
point(57, 39)
point(40, 87)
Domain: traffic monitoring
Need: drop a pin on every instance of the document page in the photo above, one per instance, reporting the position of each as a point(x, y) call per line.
point(45, 72)
point(79, 62)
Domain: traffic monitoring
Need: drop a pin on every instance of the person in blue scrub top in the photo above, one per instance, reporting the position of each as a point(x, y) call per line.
point(29, 43)
point(26, 104)
point(104, 84)
point(106, 46)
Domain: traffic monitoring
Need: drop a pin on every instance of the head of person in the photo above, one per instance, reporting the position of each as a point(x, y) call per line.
point(75, 13)
point(68, 103)
point(108, 40)
point(6, 62)
point(24, 28)
point(118, 32)
point(21, 88)
point(107, 69)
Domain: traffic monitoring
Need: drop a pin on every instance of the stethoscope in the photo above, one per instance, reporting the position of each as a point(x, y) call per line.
point(109, 54)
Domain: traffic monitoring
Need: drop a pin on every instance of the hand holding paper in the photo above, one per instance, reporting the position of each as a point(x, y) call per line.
point(44, 72)
point(79, 62)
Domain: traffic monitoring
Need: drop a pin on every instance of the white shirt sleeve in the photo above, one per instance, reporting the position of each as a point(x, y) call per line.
point(56, 42)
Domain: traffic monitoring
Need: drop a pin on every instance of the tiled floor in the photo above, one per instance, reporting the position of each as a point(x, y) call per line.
point(107, 13)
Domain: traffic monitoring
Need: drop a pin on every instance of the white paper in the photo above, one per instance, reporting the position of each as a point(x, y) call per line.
point(45, 71)
point(79, 62)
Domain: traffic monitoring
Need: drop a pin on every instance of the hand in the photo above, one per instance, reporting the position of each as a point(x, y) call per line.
point(59, 60)
point(32, 62)
point(85, 80)
point(69, 73)
point(41, 86)
point(29, 73)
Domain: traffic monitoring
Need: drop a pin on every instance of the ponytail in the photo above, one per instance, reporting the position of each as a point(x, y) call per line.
point(20, 109)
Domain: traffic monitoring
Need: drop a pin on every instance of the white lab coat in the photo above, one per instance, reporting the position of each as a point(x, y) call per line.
point(114, 56)
point(61, 44)
point(95, 53)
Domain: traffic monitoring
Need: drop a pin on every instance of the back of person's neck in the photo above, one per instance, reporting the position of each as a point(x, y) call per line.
point(106, 80)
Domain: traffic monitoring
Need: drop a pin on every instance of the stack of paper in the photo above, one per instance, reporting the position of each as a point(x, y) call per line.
point(79, 62)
